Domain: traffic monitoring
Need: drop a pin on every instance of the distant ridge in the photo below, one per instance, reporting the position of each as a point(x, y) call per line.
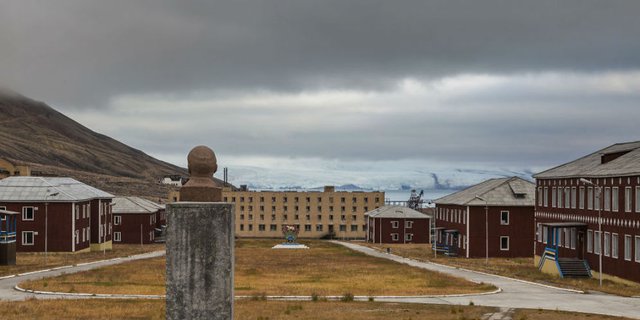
point(34, 133)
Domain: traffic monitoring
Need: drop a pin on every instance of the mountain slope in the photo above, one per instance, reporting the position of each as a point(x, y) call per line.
point(34, 133)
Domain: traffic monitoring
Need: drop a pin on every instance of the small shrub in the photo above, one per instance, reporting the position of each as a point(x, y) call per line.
point(471, 303)
point(347, 297)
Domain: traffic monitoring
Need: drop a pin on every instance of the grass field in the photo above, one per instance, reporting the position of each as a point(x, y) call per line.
point(324, 269)
point(268, 310)
point(27, 261)
point(521, 268)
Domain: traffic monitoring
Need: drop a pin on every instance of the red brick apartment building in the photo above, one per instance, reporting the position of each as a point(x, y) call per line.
point(397, 224)
point(57, 214)
point(504, 206)
point(569, 202)
point(136, 220)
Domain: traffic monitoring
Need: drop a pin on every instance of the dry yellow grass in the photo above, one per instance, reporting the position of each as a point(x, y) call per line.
point(521, 268)
point(272, 310)
point(26, 261)
point(325, 269)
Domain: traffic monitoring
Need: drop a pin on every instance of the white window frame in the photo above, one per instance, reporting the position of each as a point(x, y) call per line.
point(638, 199)
point(24, 213)
point(24, 237)
point(77, 236)
point(567, 237)
point(546, 196)
point(628, 196)
point(573, 238)
point(637, 248)
point(590, 198)
point(615, 245)
point(597, 241)
point(574, 197)
point(567, 197)
point(395, 237)
point(628, 248)
point(408, 236)
point(607, 199)
point(581, 197)
point(607, 244)
point(501, 247)
point(539, 232)
point(502, 221)
point(615, 199)
point(590, 241)
point(117, 220)
point(554, 197)
point(540, 196)
point(117, 236)
point(408, 224)
point(395, 224)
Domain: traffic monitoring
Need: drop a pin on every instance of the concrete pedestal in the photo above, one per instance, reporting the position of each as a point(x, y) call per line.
point(200, 260)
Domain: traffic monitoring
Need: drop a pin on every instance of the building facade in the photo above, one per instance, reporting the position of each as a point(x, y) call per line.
point(136, 220)
point(318, 214)
point(8, 169)
point(57, 214)
point(493, 218)
point(572, 197)
point(397, 224)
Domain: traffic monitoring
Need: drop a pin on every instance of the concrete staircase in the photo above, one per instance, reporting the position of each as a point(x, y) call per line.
point(574, 268)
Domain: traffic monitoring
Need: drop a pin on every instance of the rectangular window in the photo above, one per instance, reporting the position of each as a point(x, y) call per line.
point(614, 245)
point(27, 213)
point(504, 243)
point(394, 237)
point(627, 247)
point(567, 197)
point(262, 227)
point(581, 201)
point(77, 236)
point(597, 240)
point(627, 199)
point(539, 233)
point(27, 238)
point(408, 236)
point(117, 236)
point(638, 199)
point(607, 244)
point(598, 198)
point(307, 227)
point(615, 195)
point(590, 198)
point(607, 199)
point(589, 241)
point(539, 196)
point(250, 227)
point(553, 197)
point(394, 224)
point(573, 238)
point(273, 227)
point(504, 217)
point(318, 227)
point(343, 227)
point(408, 224)
point(84, 234)
point(560, 197)
point(574, 198)
point(546, 196)
point(354, 227)
point(567, 237)
point(545, 234)
point(637, 249)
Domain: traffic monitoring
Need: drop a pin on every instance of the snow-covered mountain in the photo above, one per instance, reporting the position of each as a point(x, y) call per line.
point(370, 176)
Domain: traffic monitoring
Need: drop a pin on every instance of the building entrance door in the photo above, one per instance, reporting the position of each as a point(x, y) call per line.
point(580, 245)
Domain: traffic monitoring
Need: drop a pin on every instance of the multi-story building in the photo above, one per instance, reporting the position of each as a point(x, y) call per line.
point(136, 220)
point(57, 214)
point(8, 169)
point(317, 214)
point(493, 218)
point(570, 200)
point(397, 224)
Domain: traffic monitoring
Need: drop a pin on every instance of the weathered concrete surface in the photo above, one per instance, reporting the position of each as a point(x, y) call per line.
point(200, 258)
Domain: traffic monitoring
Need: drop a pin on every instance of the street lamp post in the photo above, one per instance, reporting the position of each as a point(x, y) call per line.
point(486, 228)
point(46, 224)
point(600, 205)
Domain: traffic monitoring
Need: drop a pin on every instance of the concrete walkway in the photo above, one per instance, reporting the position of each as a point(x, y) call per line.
point(515, 293)
point(7, 284)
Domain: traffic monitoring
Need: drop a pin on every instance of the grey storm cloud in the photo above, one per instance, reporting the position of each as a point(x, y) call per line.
point(82, 53)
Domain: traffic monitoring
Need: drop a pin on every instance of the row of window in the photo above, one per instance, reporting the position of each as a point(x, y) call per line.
point(407, 224)
point(117, 236)
point(612, 243)
point(574, 197)
point(297, 199)
point(297, 209)
point(28, 212)
point(297, 217)
point(307, 227)
point(82, 235)
point(460, 216)
point(407, 237)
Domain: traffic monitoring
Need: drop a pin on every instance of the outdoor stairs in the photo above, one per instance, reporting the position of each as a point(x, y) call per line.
point(574, 268)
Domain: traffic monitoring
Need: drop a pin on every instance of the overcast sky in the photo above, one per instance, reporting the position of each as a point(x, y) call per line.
point(517, 85)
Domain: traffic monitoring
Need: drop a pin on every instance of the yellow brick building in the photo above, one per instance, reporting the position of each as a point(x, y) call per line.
point(317, 214)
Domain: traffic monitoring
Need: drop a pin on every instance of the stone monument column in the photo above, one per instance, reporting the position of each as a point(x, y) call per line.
point(200, 244)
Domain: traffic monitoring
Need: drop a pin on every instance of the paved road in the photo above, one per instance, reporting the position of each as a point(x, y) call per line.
point(516, 294)
point(7, 291)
